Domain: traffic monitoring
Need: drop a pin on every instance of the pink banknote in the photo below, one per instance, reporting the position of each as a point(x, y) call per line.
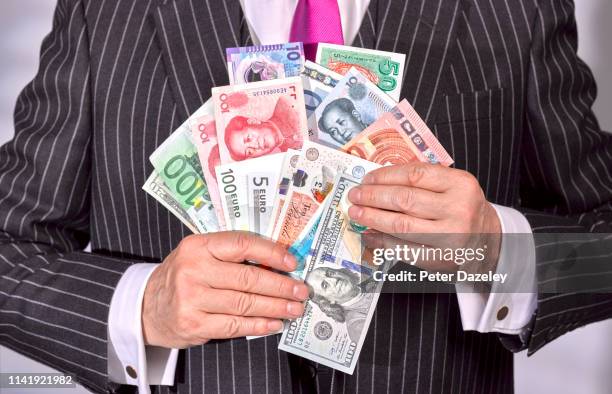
point(204, 134)
point(259, 118)
point(397, 137)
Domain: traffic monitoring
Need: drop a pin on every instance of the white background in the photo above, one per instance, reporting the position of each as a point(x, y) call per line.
point(579, 362)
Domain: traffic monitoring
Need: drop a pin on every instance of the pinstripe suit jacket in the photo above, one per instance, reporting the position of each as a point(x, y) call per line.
point(498, 81)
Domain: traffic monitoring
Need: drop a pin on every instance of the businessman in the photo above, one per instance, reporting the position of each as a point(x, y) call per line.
point(499, 83)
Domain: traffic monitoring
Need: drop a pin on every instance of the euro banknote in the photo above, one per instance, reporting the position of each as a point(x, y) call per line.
point(264, 62)
point(312, 181)
point(261, 189)
point(318, 82)
point(398, 137)
point(384, 69)
point(156, 188)
point(259, 118)
point(176, 161)
point(337, 316)
point(233, 187)
point(354, 104)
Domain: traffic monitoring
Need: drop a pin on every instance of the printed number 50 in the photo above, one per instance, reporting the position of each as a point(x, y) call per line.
point(388, 68)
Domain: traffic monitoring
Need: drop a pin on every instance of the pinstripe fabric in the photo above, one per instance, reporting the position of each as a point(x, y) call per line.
point(498, 81)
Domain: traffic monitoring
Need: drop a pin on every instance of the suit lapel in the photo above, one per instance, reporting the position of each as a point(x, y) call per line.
point(422, 29)
point(193, 35)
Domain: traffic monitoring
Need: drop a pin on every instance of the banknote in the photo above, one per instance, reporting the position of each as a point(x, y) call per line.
point(259, 118)
point(354, 104)
point(233, 189)
point(286, 174)
point(337, 316)
point(318, 82)
point(261, 190)
point(156, 188)
point(398, 137)
point(176, 161)
point(311, 182)
point(204, 135)
point(384, 69)
point(264, 62)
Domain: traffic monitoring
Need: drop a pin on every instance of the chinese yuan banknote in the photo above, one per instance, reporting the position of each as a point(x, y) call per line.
point(318, 82)
point(156, 188)
point(233, 180)
point(384, 69)
point(176, 161)
point(398, 137)
point(204, 135)
point(312, 181)
point(354, 104)
point(337, 316)
point(264, 62)
point(259, 118)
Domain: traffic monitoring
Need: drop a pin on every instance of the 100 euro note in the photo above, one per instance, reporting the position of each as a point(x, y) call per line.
point(318, 82)
point(233, 181)
point(313, 179)
point(156, 188)
point(259, 118)
point(204, 136)
point(354, 104)
point(177, 163)
point(398, 137)
point(264, 62)
point(337, 316)
point(383, 69)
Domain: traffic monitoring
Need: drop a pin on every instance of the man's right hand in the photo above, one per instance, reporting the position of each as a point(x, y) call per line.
point(202, 291)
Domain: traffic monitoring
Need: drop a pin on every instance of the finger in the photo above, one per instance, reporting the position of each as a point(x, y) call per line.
point(256, 280)
point(397, 224)
point(220, 326)
point(410, 200)
point(230, 302)
point(427, 176)
point(240, 246)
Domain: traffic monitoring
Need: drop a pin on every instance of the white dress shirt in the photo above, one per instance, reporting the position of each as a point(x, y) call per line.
point(268, 24)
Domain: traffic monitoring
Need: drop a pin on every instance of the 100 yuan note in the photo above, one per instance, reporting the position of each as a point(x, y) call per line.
point(354, 104)
point(398, 137)
point(176, 161)
point(318, 82)
point(264, 62)
point(259, 118)
point(204, 134)
point(384, 69)
point(337, 316)
point(312, 181)
point(233, 189)
point(155, 187)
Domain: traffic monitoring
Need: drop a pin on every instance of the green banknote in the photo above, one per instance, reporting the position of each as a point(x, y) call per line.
point(177, 163)
point(384, 69)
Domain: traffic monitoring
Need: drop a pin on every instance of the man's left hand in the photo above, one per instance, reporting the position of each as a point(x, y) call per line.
point(415, 202)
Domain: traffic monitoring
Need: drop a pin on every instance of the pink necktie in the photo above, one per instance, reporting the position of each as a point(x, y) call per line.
point(316, 21)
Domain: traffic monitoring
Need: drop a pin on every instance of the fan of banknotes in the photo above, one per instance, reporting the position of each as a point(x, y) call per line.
point(276, 152)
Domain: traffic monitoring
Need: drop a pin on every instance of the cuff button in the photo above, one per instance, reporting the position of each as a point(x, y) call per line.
point(502, 313)
point(131, 372)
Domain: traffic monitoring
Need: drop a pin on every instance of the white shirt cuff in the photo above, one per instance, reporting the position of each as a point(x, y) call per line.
point(127, 354)
point(505, 311)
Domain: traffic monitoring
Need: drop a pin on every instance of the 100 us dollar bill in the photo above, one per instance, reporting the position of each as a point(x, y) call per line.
point(156, 188)
point(337, 316)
